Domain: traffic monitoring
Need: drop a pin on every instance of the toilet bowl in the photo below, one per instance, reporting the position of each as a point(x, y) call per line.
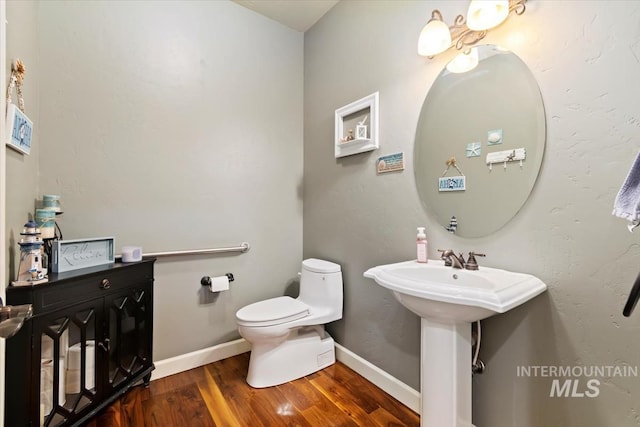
point(287, 335)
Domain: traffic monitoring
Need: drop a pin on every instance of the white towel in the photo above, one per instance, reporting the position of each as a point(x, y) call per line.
point(627, 204)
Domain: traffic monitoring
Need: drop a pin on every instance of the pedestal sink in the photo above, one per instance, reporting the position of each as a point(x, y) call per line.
point(448, 300)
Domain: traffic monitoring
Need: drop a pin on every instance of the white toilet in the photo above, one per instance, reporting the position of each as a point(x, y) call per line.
point(287, 335)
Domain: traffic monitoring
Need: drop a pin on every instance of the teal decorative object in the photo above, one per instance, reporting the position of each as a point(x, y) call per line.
point(494, 137)
point(474, 149)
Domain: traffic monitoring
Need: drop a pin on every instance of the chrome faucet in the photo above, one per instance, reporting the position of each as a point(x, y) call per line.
point(450, 258)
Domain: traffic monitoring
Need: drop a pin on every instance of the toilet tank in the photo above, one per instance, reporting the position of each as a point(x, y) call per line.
point(321, 286)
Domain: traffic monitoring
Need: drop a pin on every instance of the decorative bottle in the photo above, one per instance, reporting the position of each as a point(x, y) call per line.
point(421, 242)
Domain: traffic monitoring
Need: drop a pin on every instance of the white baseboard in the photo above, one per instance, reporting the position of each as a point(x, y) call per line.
point(195, 359)
point(389, 384)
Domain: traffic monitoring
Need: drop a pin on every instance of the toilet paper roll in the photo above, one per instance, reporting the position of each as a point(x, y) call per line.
point(74, 356)
point(219, 283)
point(46, 384)
point(46, 346)
point(73, 380)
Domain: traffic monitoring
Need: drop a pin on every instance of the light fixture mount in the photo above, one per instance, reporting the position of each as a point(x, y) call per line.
point(461, 35)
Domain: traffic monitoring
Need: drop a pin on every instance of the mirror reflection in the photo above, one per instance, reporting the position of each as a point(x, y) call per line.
point(479, 141)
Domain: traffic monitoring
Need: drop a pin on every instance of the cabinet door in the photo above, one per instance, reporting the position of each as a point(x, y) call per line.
point(129, 317)
point(65, 371)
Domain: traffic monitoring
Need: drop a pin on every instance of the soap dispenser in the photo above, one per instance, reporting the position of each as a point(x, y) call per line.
point(421, 242)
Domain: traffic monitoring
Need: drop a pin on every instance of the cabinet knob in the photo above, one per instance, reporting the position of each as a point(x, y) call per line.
point(106, 345)
point(105, 284)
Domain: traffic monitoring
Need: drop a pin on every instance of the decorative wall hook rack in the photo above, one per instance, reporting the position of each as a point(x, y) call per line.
point(506, 156)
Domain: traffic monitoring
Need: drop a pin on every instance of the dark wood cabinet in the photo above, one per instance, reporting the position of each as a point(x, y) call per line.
point(88, 342)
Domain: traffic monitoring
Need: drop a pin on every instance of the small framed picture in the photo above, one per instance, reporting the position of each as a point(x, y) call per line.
point(19, 130)
point(355, 115)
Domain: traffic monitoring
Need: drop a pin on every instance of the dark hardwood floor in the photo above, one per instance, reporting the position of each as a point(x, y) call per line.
point(217, 395)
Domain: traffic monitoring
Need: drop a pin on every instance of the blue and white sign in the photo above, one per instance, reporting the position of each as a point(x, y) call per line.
point(452, 183)
point(19, 130)
point(390, 163)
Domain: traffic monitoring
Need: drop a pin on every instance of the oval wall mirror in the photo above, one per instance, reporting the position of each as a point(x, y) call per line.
point(491, 120)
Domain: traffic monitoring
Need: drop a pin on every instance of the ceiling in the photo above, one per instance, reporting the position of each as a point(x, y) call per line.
point(297, 14)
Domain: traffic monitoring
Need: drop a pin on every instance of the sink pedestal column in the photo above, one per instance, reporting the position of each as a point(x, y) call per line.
point(445, 374)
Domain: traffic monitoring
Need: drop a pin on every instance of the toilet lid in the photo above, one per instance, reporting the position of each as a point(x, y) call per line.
point(320, 266)
point(273, 311)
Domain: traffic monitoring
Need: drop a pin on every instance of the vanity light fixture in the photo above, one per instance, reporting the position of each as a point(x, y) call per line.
point(466, 61)
point(436, 37)
point(486, 14)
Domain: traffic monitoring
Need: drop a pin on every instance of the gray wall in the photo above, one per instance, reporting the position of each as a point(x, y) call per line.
point(584, 56)
point(22, 170)
point(174, 125)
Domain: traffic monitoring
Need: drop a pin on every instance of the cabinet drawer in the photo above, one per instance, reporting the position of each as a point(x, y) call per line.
point(81, 286)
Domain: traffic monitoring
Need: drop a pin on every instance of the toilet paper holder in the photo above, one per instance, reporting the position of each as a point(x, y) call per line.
point(206, 280)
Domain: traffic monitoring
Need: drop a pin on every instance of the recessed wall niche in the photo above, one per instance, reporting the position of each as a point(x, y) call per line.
point(357, 127)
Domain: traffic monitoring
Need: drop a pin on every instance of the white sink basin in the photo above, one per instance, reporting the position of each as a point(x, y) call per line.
point(448, 300)
point(437, 292)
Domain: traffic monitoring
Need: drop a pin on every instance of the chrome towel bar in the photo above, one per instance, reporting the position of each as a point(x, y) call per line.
point(244, 247)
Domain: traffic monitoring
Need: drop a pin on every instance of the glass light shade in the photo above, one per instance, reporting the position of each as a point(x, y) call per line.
point(464, 62)
point(485, 14)
point(434, 38)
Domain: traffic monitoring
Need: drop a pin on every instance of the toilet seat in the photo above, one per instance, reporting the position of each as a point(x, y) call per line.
point(274, 311)
point(320, 266)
